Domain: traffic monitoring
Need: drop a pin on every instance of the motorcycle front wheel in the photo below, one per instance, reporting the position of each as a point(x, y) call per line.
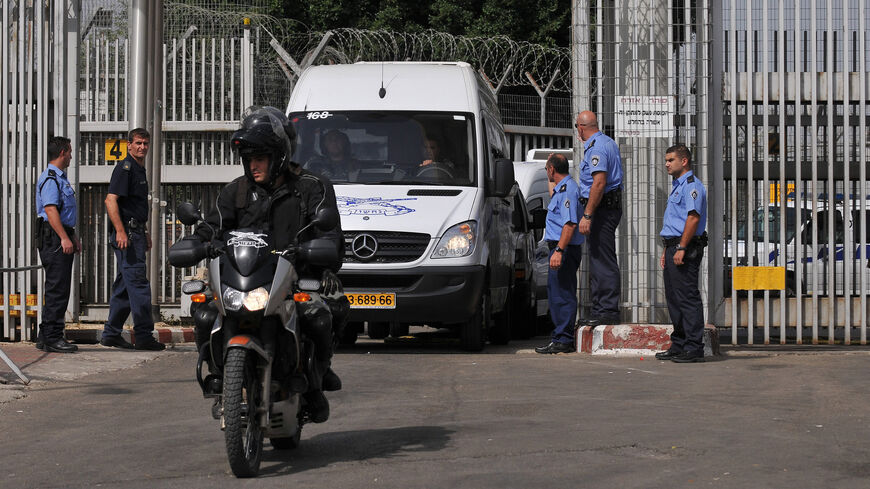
point(242, 395)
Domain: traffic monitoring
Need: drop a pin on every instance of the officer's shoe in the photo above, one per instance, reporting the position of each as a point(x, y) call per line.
point(689, 357)
point(331, 382)
point(317, 406)
point(59, 346)
point(668, 354)
point(40, 343)
point(150, 344)
point(554, 347)
point(116, 342)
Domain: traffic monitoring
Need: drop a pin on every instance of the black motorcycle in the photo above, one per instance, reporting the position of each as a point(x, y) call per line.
point(262, 363)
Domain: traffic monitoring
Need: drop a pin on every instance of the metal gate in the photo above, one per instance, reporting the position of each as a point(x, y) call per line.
point(796, 189)
point(645, 68)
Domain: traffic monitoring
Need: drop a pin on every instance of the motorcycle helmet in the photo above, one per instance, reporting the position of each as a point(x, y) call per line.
point(265, 131)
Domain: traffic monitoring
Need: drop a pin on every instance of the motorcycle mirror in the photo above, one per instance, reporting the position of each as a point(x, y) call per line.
point(188, 213)
point(325, 219)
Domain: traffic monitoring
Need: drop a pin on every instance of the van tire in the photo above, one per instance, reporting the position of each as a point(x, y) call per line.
point(471, 334)
point(523, 315)
point(378, 330)
point(350, 334)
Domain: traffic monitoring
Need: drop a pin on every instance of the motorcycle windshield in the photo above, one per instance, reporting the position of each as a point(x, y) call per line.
point(248, 249)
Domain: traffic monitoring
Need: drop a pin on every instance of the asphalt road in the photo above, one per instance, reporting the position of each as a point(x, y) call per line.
point(430, 417)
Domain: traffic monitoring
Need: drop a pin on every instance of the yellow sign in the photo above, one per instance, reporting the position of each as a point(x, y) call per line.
point(116, 149)
point(759, 278)
point(774, 192)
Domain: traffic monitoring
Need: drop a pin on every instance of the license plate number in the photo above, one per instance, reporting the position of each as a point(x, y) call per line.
point(386, 300)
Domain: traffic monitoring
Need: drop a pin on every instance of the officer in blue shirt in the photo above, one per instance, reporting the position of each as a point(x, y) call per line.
point(127, 207)
point(565, 251)
point(57, 243)
point(601, 198)
point(684, 240)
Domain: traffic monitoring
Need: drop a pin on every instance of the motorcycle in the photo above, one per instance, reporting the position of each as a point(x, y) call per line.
point(262, 363)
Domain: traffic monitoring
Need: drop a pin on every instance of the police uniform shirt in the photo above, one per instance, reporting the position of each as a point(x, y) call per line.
point(130, 185)
point(53, 188)
point(601, 153)
point(564, 208)
point(688, 194)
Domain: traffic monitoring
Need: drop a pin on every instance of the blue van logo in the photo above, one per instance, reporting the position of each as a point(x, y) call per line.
point(373, 206)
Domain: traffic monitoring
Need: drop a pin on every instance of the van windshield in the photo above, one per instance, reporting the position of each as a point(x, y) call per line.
point(387, 148)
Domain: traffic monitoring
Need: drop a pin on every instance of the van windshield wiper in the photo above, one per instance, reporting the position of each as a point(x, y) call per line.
point(408, 182)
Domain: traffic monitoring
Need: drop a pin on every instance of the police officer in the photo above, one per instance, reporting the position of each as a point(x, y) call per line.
point(601, 198)
point(684, 239)
point(275, 194)
point(127, 206)
point(565, 251)
point(57, 243)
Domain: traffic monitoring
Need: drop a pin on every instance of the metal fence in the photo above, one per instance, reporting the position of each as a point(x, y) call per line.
point(796, 188)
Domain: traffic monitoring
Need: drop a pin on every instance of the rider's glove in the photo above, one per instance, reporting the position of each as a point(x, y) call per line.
point(329, 282)
point(214, 250)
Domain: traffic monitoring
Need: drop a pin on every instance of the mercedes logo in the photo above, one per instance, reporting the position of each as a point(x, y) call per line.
point(364, 246)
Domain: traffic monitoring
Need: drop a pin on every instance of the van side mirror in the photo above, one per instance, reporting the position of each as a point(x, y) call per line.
point(539, 218)
point(504, 178)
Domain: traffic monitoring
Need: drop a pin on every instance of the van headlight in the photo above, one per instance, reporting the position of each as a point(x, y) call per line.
point(458, 241)
point(254, 300)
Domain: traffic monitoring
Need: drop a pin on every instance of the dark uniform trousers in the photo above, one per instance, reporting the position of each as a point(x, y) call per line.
point(131, 291)
point(58, 275)
point(684, 301)
point(604, 280)
point(562, 294)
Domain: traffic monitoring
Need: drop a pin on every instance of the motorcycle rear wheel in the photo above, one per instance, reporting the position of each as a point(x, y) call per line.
point(242, 395)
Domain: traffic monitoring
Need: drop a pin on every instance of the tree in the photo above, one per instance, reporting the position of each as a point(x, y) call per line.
point(538, 21)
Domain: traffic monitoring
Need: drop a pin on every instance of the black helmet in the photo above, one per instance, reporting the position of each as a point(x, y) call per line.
point(265, 131)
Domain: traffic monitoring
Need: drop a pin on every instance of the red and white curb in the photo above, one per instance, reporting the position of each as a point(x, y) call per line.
point(169, 336)
point(634, 339)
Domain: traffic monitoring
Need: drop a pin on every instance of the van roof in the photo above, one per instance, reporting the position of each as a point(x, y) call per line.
point(417, 86)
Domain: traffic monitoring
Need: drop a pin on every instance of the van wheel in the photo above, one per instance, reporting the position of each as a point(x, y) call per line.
point(500, 332)
point(523, 315)
point(350, 334)
point(471, 336)
point(378, 330)
point(397, 330)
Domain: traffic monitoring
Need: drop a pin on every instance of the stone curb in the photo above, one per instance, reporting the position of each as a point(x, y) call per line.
point(169, 336)
point(635, 339)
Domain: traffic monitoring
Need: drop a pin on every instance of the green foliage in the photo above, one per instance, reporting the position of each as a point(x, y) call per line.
point(539, 21)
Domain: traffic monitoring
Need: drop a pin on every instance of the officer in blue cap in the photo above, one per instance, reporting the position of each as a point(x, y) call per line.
point(565, 251)
point(684, 240)
point(57, 243)
point(601, 199)
point(127, 207)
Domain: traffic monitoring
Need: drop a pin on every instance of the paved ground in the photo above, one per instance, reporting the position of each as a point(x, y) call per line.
point(428, 416)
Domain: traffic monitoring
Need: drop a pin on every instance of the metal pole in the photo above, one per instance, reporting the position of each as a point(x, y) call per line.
point(715, 197)
point(72, 21)
point(156, 153)
point(137, 83)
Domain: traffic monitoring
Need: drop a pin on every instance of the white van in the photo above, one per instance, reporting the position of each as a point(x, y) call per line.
point(816, 258)
point(434, 236)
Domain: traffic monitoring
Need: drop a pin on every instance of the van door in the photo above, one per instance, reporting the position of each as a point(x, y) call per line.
point(498, 234)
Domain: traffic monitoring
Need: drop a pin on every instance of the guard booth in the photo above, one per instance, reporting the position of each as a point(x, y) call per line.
point(772, 99)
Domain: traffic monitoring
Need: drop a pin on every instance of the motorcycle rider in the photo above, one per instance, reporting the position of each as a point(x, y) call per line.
point(278, 196)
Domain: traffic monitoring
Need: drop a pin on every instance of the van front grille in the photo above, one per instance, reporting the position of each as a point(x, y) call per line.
point(383, 246)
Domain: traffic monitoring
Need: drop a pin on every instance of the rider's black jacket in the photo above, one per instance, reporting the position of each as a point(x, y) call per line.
point(280, 212)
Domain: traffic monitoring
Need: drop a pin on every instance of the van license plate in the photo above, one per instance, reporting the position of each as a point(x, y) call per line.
point(386, 300)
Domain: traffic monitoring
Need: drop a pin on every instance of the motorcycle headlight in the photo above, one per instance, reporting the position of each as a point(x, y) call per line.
point(256, 299)
point(232, 299)
point(458, 241)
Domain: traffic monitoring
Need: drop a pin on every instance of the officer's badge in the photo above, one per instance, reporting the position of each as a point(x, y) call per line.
point(563, 187)
point(126, 165)
point(595, 160)
point(52, 173)
point(567, 204)
point(694, 194)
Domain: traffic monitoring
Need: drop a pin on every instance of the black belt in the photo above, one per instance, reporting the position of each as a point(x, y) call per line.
point(612, 199)
point(69, 230)
point(552, 245)
point(671, 241)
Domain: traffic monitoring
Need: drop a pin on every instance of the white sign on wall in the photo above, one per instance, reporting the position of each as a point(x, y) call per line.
point(644, 116)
